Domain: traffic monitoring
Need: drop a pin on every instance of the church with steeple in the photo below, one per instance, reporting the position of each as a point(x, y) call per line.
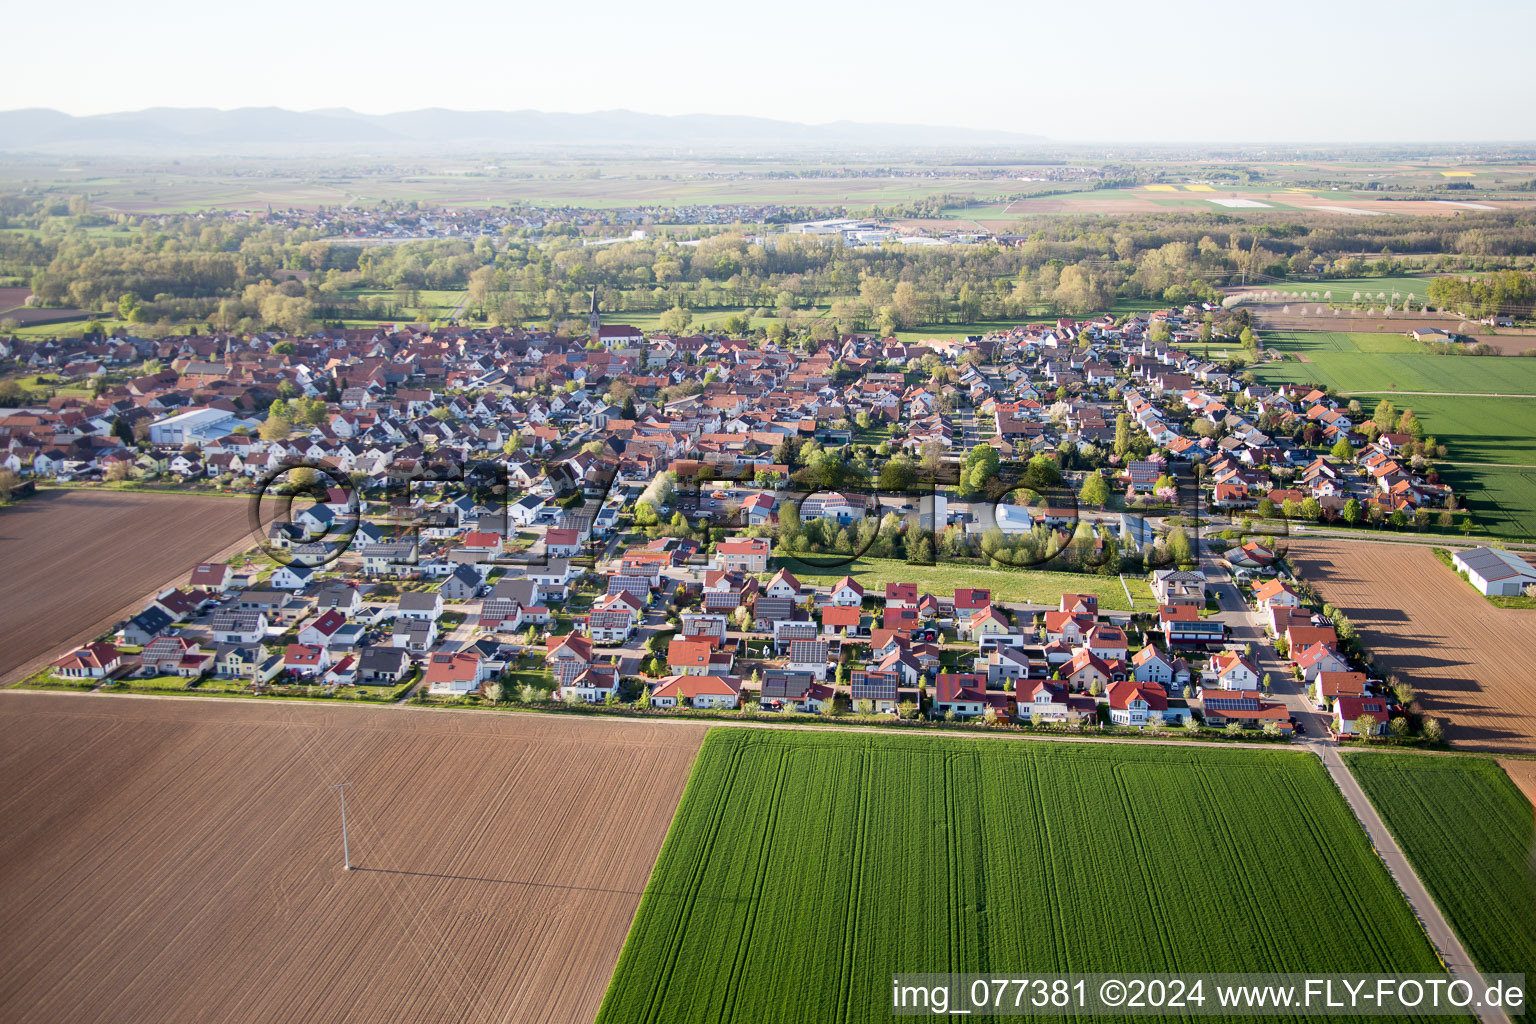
point(614, 335)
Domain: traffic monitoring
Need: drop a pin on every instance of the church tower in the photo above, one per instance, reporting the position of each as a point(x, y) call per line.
point(594, 321)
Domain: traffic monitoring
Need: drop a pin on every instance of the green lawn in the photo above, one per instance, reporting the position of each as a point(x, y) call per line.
point(1371, 363)
point(802, 870)
point(1021, 585)
point(1471, 837)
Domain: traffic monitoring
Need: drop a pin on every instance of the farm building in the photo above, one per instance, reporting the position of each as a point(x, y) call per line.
point(1494, 572)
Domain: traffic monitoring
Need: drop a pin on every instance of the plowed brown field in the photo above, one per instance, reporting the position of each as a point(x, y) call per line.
point(1469, 661)
point(76, 561)
point(1523, 774)
point(179, 860)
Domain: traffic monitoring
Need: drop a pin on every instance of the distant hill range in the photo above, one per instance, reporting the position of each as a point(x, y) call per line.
point(203, 130)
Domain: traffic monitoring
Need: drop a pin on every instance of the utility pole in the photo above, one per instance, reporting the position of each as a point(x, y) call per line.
point(346, 854)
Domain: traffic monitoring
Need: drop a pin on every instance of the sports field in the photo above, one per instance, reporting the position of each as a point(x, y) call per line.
point(802, 870)
point(1471, 836)
point(1359, 362)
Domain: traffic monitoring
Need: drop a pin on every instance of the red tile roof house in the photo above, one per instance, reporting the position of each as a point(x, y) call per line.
point(1087, 670)
point(847, 592)
point(93, 661)
point(1275, 594)
point(1067, 627)
point(1317, 659)
point(212, 576)
point(841, 619)
point(1244, 707)
point(966, 695)
point(1328, 687)
point(1229, 670)
point(1039, 701)
point(1107, 641)
point(1087, 604)
point(562, 543)
point(567, 656)
point(456, 674)
point(174, 656)
point(747, 554)
point(1139, 704)
point(1299, 635)
point(1347, 712)
point(613, 618)
point(320, 630)
point(697, 692)
point(484, 543)
point(969, 601)
point(306, 659)
point(901, 595)
point(689, 657)
point(783, 584)
point(592, 686)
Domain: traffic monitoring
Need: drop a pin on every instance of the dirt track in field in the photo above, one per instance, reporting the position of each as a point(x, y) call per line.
point(76, 561)
point(175, 860)
point(1468, 660)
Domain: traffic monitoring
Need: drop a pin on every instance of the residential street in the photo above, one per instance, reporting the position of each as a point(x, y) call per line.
point(1243, 628)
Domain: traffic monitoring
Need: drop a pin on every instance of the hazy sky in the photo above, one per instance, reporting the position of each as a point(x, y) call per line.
point(1074, 70)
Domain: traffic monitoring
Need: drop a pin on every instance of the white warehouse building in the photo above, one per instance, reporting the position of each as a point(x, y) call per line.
point(197, 426)
point(1494, 572)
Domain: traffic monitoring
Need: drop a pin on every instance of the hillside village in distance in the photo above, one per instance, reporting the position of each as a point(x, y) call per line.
point(682, 516)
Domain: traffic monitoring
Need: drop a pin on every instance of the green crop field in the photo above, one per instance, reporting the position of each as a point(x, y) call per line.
point(1471, 836)
point(1343, 289)
point(1503, 500)
point(1474, 429)
point(1359, 362)
point(803, 870)
point(1030, 586)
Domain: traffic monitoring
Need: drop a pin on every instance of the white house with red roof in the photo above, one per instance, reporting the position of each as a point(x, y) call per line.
point(1347, 712)
point(1275, 594)
point(966, 695)
point(1041, 701)
point(847, 592)
point(1328, 687)
point(1107, 641)
point(743, 554)
point(93, 661)
point(1067, 627)
point(321, 629)
point(1317, 659)
point(215, 576)
point(456, 674)
point(306, 659)
point(1140, 704)
point(702, 691)
point(783, 585)
point(614, 617)
point(1230, 670)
